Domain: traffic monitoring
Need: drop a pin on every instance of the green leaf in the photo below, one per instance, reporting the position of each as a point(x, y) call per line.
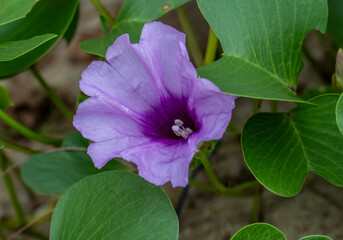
point(335, 21)
point(316, 237)
point(131, 18)
point(114, 205)
point(69, 34)
point(14, 49)
point(281, 148)
point(75, 139)
point(259, 231)
point(54, 172)
point(339, 113)
point(262, 44)
point(265, 231)
point(11, 10)
point(2, 145)
point(47, 16)
point(5, 101)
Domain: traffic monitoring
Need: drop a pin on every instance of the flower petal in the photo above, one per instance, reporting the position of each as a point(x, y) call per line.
point(211, 108)
point(128, 84)
point(157, 162)
point(97, 121)
point(165, 48)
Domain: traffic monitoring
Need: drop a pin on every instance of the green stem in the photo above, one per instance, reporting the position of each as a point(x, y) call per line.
point(103, 11)
point(255, 210)
point(257, 105)
point(27, 132)
point(9, 185)
point(2, 235)
point(52, 95)
point(18, 148)
point(212, 46)
point(193, 44)
point(207, 165)
point(273, 106)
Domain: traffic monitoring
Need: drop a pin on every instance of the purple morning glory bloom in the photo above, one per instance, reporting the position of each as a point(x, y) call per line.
point(148, 107)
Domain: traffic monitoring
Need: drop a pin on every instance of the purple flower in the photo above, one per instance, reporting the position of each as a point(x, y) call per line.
point(148, 107)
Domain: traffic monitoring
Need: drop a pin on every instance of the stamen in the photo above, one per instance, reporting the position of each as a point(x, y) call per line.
point(179, 129)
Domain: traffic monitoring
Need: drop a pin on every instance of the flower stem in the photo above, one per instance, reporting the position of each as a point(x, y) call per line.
point(18, 148)
point(52, 95)
point(273, 106)
point(27, 132)
point(193, 44)
point(103, 11)
point(212, 45)
point(207, 165)
point(9, 185)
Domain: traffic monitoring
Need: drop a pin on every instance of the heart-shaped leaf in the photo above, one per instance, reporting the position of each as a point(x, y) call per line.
point(114, 205)
point(47, 16)
point(14, 49)
point(281, 148)
point(54, 172)
point(131, 18)
point(262, 44)
point(11, 10)
point(339, 113)
point(75, 139)
point(259, 231)
point(5, 101)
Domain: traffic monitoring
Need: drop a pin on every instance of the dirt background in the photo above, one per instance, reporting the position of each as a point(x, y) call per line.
point(317, 209)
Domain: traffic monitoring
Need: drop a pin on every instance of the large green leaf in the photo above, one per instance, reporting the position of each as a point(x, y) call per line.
point(14, 49)
point(54, 172)
point(114, 205)
point(259, 231)
point(47, 16)
point(11, 10)
point(131, 18)
point(335, 21)
point(281, 148)
point(262, 44)
point(339, 113)
point(5, 101)
point(264, 231)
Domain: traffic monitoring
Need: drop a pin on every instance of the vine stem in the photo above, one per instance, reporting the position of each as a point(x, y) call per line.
point(9, 185)
point(103, 11)
point(18, 147)
point(193, 43)
point(27, 132)
point(52, 95)
point(211, 49)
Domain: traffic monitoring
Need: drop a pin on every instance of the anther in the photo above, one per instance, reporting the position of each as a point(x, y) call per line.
point(179, 129)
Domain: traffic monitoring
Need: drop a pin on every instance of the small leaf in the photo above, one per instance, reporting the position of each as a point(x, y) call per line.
point(281, 148)
point(2, 145)
point(47, 16)
point(114, 205)
point(259, 231)
point(5, 101)
point(262, 44)
point(14, 49)
point(131, 18)
point(339, 113)
point(75, 139)
point(11, 10)
point(316, 237)
point(54, 172)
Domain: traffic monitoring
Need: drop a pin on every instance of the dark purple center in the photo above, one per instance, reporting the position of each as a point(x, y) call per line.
point(157, 124)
